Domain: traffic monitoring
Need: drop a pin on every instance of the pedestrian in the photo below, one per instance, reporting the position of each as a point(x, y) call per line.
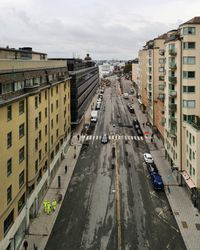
point(78, 137)
point(25, 244)
point(48, 207)
point(65, 169)
point(45, 206)
point(54, 204)
point(143, 124)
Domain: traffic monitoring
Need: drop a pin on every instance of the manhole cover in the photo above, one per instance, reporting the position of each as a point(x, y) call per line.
point(197, 226)
point(184, 224)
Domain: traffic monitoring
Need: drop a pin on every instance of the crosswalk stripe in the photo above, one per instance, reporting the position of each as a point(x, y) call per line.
point(83, 137)
point(128, 137)
point(138, 138)
point(109, 137)
point(141, 138)
point(97, 137)
point(131, 137)
point(135, 138)
point(90, 137)
point(87, 137)
point(119, 137)
point(125, 137)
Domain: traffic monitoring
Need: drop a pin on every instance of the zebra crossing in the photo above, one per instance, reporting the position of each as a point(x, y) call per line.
point(113, 137)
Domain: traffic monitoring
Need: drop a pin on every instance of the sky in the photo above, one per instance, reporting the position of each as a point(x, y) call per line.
point(106, 29)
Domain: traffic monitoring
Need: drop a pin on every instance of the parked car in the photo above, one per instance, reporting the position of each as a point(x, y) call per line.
point(85, 128)
point(157, 181)
point(139, 132)
point(104, 139)
point(131, 109)
point(151, 167)
point(148, 158)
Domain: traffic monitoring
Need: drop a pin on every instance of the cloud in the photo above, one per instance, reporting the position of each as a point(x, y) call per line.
point(106, 29)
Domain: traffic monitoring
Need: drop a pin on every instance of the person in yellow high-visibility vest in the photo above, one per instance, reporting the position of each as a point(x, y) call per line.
point(54, 204)
point(48, 207)
point(45, 205)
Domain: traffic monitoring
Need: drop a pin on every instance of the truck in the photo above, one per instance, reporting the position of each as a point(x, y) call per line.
point(94, 116)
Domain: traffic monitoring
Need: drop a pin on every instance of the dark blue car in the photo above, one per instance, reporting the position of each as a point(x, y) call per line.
point(157, 181)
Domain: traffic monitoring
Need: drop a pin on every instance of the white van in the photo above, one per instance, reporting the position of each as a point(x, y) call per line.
point(125, 96)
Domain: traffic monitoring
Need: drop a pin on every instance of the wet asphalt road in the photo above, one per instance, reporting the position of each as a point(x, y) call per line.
point(89, 218)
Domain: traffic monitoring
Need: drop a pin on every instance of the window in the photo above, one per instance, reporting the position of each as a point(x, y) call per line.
point(45, 129)
point(161, 78)
point(161, 69)
point(190, 169)
point(36, 123)
point(193, 155)
point(56, 103)
point(21, 107)
point(189, 31)
point(57, 118)
point(36, 102)
point(45, 112)
point(36, 144)
point(46, 147)
point(188, 74)
point(21, 154)
point(40, 136)
point(56, 133)
point(161, 60)
point(51, 91)
point(52, 108)
point(45, 94)
point(52, 124)
point(189, 104)
point(40, 155)
point(189, 60)
point(189, 45)
point(39, 98)
point(189, 89)
point(21, 130)
point(40, 116)
point(52, 139)
point(9, 167)
point(21, 179)
point(193, 139)
point(9, 139)
point(8, 222)
point(36, 166)
point(9, 194)
point(193, 169)
point(21, 203)
point(9, 113)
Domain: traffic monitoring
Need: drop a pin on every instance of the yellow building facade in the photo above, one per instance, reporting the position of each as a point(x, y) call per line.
point(34, 130)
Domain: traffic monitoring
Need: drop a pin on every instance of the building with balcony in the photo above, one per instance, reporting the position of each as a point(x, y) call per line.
point(180, 93)
point(34, 129)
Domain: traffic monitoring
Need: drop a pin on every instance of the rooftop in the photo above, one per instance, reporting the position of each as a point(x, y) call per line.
point(194, 20)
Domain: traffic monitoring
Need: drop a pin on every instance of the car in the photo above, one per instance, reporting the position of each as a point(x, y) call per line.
point(85, 128)
point(157, 181)
point(104, 139)
point(135, 121)
point(151, 167)
point(139, 132)
point(148, 158)
point(131, 109)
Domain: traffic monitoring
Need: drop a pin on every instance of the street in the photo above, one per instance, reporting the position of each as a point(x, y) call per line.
point(114, 208)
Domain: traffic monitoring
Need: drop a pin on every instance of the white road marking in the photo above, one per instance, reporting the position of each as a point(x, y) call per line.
point(87, 137)
point(113, 137)
point(138, 138)
point(135, 138)
point(97, 137)
point(131, 137)
point(141, 138)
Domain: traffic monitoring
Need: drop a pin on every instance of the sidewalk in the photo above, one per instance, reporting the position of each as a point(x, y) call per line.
point(186, 215)
point(40, 228)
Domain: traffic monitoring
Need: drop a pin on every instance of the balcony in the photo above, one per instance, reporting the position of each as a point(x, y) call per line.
point(162, 52)
point(172, 119)
point(194, 124)
point(172, 133)
point(172, 52)
point(161, 97)
point(172, 106)
point(172, 93)
point(172, 66)
point(172, 79)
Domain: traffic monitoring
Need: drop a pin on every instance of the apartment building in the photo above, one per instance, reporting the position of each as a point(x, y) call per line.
point(34, 130)
point(135, 75)
point(152, 71)
point(181, 92)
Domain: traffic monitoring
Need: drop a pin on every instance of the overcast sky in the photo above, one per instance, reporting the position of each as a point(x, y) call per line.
point(104, 28)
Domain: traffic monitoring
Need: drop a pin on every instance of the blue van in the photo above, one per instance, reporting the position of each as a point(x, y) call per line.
point(157, 181)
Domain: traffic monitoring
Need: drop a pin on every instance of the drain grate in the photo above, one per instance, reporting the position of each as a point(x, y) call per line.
point(184, 224)
point(197, 226)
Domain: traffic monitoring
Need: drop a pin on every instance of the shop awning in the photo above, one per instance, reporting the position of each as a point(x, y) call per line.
point(188, 180)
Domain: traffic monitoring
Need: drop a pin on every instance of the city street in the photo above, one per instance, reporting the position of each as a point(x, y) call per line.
point(108, 207)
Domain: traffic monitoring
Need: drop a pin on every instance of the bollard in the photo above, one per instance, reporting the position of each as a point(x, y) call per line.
point(59, 181)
